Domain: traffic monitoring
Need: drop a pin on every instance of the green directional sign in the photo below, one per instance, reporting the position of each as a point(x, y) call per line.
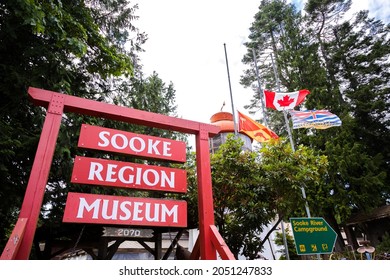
point(313, 236)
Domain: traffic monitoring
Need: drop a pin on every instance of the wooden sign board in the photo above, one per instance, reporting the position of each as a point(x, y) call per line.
point(122, 210)
point(128, 175)
point(127, 232)
point(111, 140)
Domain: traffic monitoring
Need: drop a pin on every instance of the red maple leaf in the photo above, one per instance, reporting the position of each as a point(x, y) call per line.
point(285, 101)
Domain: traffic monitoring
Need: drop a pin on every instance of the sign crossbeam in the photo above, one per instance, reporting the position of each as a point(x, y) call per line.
point(57, 104)
point(83, 106)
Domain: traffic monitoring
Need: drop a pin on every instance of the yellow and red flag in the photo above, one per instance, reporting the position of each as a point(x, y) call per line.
point(253, 129)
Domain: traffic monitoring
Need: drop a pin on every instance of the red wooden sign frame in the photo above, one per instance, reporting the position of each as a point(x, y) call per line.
point(209, 240)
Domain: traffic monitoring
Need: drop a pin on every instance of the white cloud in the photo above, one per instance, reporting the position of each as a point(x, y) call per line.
point(380, 9)
point(185, 46)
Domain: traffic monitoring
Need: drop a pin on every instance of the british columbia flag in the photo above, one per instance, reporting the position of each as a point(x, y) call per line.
point(320, 119)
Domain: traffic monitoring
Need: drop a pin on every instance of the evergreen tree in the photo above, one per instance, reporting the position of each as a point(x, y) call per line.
point(84, 48)
point(286, 59)
point(322, 16)
point(356, 61)
point(346, 72)
point(265, 46)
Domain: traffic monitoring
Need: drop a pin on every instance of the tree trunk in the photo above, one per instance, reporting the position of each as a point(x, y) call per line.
point(351, 237)
point(340, 244)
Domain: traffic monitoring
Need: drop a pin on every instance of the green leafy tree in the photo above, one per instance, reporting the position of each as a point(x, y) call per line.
point(287, 173)
point(356, 61)
point(90, 51)
point(253, 188)
point(240, 198)
point(383, 248)
point(344, 64)
point(292, 252)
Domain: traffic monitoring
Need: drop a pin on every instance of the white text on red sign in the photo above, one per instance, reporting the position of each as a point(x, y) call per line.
point(106, 139)
point(120, 210)
point(128, 175)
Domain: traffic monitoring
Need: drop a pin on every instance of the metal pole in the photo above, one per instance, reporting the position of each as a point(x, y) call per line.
point(231, 95)
point(292, 145)
point(259, 88)
point(290, 135)
point(288, 130)
point(284, 112)
point(275, 72)
point(291, 140)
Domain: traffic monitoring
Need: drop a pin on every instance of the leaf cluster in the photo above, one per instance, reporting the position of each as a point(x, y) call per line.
point(83, 48)
point(253, 188)
point(344, 62)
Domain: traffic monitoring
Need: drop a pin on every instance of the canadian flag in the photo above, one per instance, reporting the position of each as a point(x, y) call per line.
point(284, 100)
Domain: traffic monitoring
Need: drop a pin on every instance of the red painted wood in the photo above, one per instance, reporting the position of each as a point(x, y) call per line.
point(94, 171)
point(94, 108)
point(112, 140)
point(195, 254)
point(123, 210)
point(220, 244)
point(36, 185)
point(58, 103)
point(205, 194)
point(13, 244)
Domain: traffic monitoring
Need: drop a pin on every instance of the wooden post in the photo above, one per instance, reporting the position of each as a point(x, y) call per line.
point(57, 104)
point(36, 186)
point(13, 244)
point(158, 246)
point(205, 195)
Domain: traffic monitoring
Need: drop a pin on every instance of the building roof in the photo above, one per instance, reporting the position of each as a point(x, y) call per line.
point(225, 121)
point(376, 214)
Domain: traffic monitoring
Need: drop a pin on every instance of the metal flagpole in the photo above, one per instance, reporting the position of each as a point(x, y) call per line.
point(231, 95)
point(292, 144)
point(259, 87)
point(290, 136)
point(284, 111)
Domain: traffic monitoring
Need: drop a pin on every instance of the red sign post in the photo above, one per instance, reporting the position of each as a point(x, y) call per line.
point(209, 240)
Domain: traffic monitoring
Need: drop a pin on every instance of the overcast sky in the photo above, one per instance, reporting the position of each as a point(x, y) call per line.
point(186, 46)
